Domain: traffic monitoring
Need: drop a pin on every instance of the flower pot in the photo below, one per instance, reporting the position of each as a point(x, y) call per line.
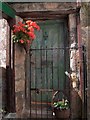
point(65, 113)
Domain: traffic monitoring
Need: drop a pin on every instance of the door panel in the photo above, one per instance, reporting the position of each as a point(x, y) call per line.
point(47, 60)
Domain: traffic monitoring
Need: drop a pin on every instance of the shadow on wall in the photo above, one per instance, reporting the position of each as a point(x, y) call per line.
point(75, 98)
point(7, 98)
point(76, 104)
point(3, 103)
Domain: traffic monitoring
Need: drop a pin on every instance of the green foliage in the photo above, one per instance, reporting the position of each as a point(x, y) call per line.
point(64, 104)
point(19, 35)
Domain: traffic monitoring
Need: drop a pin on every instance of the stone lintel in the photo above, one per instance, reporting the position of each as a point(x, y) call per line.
point(28, 7)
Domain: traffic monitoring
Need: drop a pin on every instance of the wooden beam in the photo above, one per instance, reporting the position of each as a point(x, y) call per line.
point(7, 10)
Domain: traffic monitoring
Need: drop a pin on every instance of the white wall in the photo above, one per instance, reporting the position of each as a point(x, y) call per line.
point(3, 37)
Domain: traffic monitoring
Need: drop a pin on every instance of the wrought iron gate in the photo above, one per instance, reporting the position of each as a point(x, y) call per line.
point(47, 67)
point(50, 58)
point(46, 78)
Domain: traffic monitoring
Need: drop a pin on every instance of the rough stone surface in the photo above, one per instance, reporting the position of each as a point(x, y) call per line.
point(19, 78)
point(20, 85)
point(85, 33)
point(72, 28)
point(42, 6)
point(20, 53)
point(19, 103)
point(3, 37)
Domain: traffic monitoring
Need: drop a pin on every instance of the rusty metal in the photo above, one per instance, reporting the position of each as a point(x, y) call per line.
point(40, 105)
point(49, 64)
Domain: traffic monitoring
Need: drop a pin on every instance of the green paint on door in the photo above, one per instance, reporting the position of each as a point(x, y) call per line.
point(47, 65)
point(4, 7)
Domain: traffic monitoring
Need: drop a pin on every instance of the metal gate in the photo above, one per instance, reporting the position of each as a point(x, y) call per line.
point(50, 58)
point(47, 67)
point(46, 78)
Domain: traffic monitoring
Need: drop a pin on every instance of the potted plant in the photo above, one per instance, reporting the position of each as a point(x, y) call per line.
point(24, 33)
point(61, 108)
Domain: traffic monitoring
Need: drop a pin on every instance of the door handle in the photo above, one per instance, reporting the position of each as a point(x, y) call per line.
point(35, 89)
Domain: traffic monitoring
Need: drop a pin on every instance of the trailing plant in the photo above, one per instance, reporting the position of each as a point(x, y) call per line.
point(64, 104)
point(24, 32)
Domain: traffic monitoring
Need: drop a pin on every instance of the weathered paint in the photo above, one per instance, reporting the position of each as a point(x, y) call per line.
point(7, 9)
point(51, 35)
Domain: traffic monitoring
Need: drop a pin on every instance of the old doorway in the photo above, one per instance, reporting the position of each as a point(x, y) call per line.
point(47, 66)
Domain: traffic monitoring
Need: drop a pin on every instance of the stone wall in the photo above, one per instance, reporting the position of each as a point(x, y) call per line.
point(19, 78)
point(3, 37)
point(85, 34)
point(3, 95)
point(76, 100)
point(43, 6)
point(3, 86)
point(20, 54)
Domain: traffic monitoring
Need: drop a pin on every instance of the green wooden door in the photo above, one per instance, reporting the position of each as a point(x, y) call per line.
point(47, 60)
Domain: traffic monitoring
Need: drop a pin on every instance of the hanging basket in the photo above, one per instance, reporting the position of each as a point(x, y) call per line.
point(60, 110)
point(65, 113)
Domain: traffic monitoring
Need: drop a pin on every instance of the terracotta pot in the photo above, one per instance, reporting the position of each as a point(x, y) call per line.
point(62, 113)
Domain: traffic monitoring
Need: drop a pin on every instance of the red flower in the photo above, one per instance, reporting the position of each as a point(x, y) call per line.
point(21, 24)
point(29, 21)
point(34, 24)
point(22, 29)
point(37, 27)
point(31, 35)
point(21, 41)
point(24, 33)
point(28, 41)
point(16, 28)
point(31, 29)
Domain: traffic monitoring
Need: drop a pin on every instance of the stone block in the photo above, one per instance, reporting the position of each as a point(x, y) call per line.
point(43, 6)
point(19, 85)
point(19, 103)
point(19, 75)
